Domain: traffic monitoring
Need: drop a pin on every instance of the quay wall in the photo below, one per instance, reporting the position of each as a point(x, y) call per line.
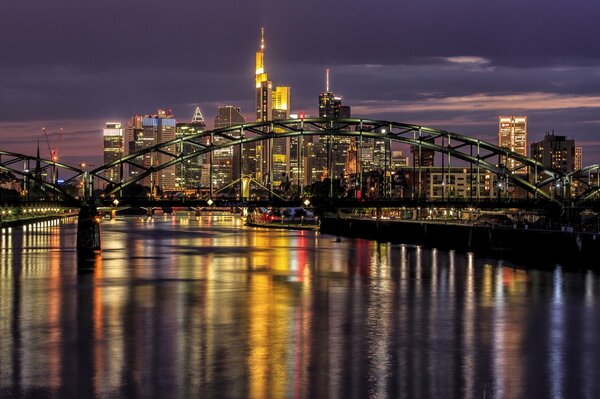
point(518, 242)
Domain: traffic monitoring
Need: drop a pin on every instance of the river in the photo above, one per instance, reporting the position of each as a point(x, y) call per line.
point(180, 307)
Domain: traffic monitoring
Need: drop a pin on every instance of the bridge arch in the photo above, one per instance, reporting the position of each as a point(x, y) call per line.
point(452, 145)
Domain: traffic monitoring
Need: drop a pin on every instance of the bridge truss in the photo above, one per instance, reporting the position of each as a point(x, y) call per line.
point(478, 156)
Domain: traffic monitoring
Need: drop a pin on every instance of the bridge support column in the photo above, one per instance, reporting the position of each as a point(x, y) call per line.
point(88, 231)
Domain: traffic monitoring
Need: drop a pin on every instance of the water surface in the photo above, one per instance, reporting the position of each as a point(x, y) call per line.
point(183, 307)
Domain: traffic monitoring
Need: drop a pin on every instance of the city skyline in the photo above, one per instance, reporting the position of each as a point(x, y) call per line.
point(460, 83)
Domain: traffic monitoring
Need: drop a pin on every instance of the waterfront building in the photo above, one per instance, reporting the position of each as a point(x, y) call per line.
point(556, 152)
point(437, 183)
point(113, 149)
point(9, 181)
point(512, 134)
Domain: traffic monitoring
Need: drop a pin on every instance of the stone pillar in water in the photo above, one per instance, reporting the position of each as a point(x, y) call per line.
point(88, 230)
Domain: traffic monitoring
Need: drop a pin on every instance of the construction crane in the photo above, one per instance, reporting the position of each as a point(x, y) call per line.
point(53, 151)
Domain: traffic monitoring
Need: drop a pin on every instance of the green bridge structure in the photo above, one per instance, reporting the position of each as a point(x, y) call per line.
point(543, 187)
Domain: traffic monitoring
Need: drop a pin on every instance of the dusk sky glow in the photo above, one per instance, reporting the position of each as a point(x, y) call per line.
point(454, 65)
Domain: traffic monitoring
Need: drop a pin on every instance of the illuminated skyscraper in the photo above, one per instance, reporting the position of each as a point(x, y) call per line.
point(281, 146)
point(146, 131)
point(578, 158)
point(330, 106)
point(229, 116)
point(263, 84)
point(114, 149)
point(512, 134)
point(264, 106)
point(556, 152)
point(281, 102)
point(188, 172)
point(273, 156)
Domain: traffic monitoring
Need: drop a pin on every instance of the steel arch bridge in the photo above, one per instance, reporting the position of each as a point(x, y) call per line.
point(522, 171)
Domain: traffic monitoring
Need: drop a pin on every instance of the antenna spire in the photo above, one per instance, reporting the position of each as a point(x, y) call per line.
point(262, 38)
point(327, 80)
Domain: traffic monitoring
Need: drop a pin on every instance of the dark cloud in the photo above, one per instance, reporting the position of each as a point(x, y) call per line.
point(76, 64)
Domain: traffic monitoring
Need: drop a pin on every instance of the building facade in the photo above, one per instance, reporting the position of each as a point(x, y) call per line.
point(578, 158)
point(146, 131)
point(556, 152)
point(512, 134)
point(114, 149)
point(331, 154)
point(240, 159)
point(188, 173)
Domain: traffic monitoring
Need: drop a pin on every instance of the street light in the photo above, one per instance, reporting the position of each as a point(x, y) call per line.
point(306, 202)
point(210, 202)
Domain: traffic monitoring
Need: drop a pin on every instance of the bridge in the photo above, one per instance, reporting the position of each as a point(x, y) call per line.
point(516, 181)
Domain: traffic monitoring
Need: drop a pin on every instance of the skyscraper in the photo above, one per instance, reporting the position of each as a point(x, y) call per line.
point(512, 134)
point(146, 131)
point(264, 106)
point(578, 158)
point(263, 84)
point(556, 152)
point(188, 173)
point(272, 156)
point(229, 116)
point(114, 149)
point(330, 106)
point(281, 146)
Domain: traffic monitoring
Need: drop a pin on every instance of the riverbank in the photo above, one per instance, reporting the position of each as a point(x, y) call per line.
point(23, 221)
point(493, 240)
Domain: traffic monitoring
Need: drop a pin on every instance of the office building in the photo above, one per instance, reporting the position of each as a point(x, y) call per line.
point(512, 134)
point(114, 149)
point(556, 152)
point(244, 165)
point(188, 173)
point(281, 152)
point(578, 158)
point(331, 155)
point(398, 160)
point(273, 157)
point(146, 131)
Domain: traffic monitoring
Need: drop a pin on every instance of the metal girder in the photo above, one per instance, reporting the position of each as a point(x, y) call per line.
point(414, 135)
point(362, 127)
point(15, 158)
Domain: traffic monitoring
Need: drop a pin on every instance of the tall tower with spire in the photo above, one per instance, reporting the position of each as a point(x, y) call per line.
point(263, 85)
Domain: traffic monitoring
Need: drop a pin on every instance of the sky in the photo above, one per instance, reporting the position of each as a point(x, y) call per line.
point(449, 64)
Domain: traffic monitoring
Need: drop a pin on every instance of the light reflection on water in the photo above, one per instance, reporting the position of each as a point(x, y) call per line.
point(180, 307)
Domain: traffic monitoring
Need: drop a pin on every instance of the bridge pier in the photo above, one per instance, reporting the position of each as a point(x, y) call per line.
point(88, 231)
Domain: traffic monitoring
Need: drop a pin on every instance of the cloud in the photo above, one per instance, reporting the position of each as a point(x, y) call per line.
point(521, 102)
point(467, 60)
